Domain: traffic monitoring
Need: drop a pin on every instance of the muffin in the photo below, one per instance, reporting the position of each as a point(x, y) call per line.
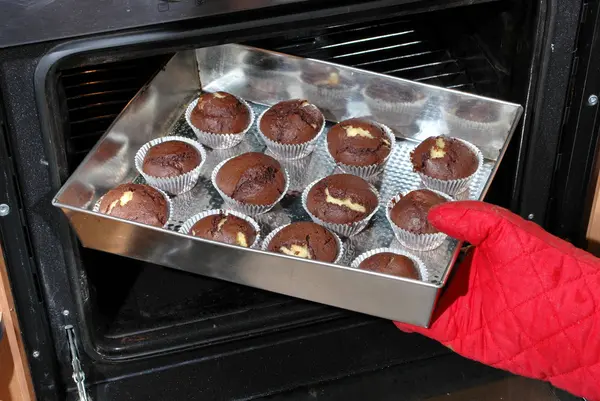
point(291, 128)
point(305, 240)
point(444, 158)
point(251, 178)
point(292, 122)
point(220, 113)
point(407, 216)
point(219, 120)
point(394, 104)
point(171, 163)
point(410, 211)
point(170, 159)
point(136, 202)
point(392, 264)
point(343, 203)
point(359, 146)
point(225, 227)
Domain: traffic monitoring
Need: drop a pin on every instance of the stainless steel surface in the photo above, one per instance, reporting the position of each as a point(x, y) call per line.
point(593, 100)
point(159, 111)
point(4, 210)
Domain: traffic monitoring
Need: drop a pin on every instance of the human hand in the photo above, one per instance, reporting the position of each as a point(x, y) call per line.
point(522, 300)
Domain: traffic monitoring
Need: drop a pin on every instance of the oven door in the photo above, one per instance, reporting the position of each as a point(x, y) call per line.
point(133, 331)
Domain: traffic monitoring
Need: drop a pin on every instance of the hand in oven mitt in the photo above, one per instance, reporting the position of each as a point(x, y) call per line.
point(522, 300)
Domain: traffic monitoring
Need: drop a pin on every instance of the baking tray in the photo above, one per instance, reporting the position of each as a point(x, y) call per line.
point(264, 78)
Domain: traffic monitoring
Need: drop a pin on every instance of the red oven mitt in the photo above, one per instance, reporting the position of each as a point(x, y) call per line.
point(522, 300)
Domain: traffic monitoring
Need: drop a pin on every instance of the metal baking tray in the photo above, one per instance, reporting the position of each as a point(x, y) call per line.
point(263, 78)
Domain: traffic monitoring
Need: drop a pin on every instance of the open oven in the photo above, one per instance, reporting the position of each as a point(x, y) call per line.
point(130, 329)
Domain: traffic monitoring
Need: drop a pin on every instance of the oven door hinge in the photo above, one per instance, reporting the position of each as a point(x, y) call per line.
point(78, 374)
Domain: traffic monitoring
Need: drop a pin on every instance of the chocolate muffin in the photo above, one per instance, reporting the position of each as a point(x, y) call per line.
point(477, 111)
point(170, 159)
point(305, 240)
point(292, 122)
point(392, 264)
point(220, 113)
point(341, 199)
point(136, 202)
point(444, 158)
point(410, 212)
point(253, 178)
point(225, 228)
point(358, 142)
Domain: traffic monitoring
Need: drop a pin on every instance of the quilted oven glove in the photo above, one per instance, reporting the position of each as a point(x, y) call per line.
point(522, 300)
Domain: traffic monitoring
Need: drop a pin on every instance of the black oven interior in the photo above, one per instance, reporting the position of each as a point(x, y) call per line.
point(136, 319)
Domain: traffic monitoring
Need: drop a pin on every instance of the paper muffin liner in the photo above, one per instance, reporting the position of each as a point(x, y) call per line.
point(246, 208)
point(173, 185)
point(373, 169)
point(453, 187)
point(414, 241)
point(296, 169)
point(345, 230)
point(218, 141)
point(341, 248)
point(284, 151)
point(401, 113)
point(189, 223)
point(169, 207)
point(420, 264)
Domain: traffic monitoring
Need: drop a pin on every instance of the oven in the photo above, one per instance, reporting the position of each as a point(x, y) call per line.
point(116, 328)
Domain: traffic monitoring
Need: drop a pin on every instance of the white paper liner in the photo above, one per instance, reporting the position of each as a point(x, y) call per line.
point(173, 185)
point(420, 265)
point(169, 206)
point(297, 151)
point(189, 223)
point(410, 240)
point(400, 113)
point(345, 230)
point(218, 141)
point(453, 187)
point(296, 169)
point(246, 208)
point(373, 169)
point(340, 244)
